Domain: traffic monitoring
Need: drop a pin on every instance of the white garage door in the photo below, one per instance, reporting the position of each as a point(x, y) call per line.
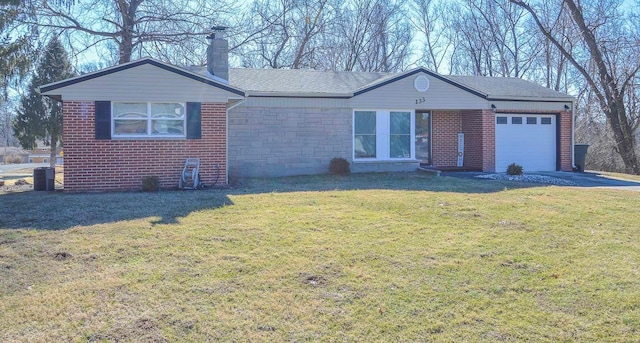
point(528, 140)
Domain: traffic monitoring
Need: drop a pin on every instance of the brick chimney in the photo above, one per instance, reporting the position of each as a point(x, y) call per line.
point(218, 54)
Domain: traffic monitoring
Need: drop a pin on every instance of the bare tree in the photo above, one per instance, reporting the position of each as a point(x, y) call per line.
point(490, 38)
point(284, 33)
point(373, 36)
point(611, 47)
point(427, 19)
point(131, 26)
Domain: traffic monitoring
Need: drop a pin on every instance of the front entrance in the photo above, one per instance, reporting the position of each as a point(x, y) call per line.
point(423, 137)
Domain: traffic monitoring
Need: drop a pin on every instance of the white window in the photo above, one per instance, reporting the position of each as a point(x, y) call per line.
point(400, 135)
point(147, 119)
point(383, 135)
point(364, 140)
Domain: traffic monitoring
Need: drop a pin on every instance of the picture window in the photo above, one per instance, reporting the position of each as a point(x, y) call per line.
point(142, 119)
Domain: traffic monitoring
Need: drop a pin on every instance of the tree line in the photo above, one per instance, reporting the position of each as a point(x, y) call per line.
point(586, 48)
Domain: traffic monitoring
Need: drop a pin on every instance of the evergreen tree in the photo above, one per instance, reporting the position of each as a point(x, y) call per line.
point(14, 62)
point(39, 117)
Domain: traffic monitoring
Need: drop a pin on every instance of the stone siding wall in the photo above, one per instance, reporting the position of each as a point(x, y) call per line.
point(266, 142)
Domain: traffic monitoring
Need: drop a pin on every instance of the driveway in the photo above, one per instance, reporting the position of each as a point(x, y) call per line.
point(594, 179)
point(590, 179)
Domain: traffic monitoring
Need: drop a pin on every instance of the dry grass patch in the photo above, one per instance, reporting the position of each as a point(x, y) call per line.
point(621, 176)
point(27, 175)
point(395, 257)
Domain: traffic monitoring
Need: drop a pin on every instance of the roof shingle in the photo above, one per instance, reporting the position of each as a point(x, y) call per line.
point(304, 82)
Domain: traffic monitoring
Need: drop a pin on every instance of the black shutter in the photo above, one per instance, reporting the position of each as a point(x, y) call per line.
point(194, 118)
point(103, 119)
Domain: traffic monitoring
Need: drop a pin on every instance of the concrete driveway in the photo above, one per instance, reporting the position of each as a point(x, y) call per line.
point(591, 179)
point(594, 179)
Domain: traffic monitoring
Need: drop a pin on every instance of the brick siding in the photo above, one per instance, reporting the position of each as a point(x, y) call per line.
point(120, 164)
point(479, 138)
point(473, 144)
point(444, 140)
point(488, 141)
point(565, 120)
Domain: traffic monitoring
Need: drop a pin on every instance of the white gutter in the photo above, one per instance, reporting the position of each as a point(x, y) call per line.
point(237, 103)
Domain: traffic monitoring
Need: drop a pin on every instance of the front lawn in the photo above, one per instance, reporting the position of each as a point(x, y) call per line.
point(377, 257)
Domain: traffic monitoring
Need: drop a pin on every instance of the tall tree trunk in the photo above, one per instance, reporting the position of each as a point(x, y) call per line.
point(623, 134)
point(128, 13)
point(53, 155)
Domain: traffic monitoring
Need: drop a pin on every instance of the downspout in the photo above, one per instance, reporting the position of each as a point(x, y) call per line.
point(227, 137)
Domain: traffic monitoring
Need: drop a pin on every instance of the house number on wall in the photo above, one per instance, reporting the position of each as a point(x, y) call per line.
point(420, 100)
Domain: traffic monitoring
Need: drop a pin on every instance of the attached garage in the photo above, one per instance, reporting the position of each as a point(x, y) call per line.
point(529, 140)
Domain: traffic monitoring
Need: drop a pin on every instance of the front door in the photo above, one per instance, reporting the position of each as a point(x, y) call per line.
point(423, 137)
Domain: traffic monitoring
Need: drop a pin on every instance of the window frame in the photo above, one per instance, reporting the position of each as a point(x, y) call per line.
point(383, 135)
point(149, 119)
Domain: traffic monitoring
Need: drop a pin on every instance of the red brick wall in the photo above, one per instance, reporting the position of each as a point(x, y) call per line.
point(472, 128)
point(444, 140)
point(106, 165)
point(565, 120)
point(479, 139)
point(488, 140)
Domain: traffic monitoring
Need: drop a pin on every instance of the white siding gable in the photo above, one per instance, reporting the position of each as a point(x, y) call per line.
point(441, 95)
point(143, 83)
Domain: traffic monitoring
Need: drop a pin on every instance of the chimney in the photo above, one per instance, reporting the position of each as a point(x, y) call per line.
point(218, 54)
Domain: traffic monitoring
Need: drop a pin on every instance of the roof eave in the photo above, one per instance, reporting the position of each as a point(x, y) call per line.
point(258, 94)
point(530, 99)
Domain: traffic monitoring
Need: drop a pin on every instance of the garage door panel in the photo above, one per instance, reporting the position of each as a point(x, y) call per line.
point(533, 146)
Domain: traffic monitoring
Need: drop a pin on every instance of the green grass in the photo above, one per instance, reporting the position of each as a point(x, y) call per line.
point(389, 257)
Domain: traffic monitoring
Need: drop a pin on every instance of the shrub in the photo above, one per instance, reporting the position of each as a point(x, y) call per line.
point(514, 169)
point(339, 166)
point(150, 183)
point(13, 159)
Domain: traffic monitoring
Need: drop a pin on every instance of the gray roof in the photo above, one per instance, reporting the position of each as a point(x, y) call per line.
point(300, 81)
point(304, 82)
point(508, 87)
